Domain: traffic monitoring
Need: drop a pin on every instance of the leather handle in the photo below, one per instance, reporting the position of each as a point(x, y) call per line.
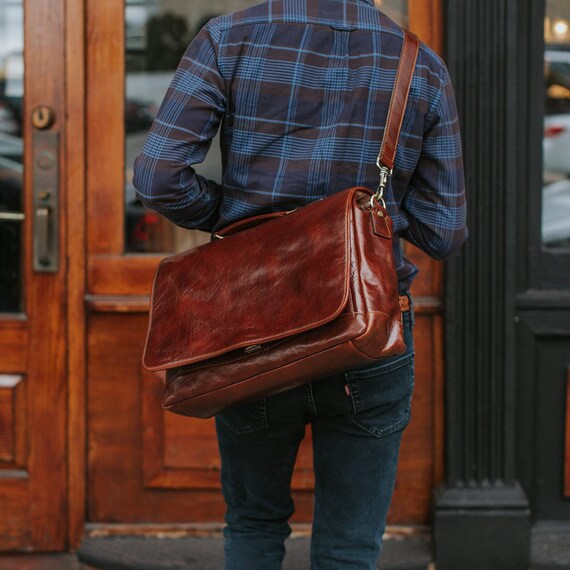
point(248, 223)
point(399, 100)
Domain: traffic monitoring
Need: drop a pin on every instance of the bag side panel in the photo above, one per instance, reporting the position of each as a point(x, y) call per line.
point(377, 287)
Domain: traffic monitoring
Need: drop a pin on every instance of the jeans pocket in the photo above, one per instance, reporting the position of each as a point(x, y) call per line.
point(382, 396)
point(245, 419)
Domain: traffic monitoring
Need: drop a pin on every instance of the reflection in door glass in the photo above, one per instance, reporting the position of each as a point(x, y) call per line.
point(396, 9)
point(157, 33)
point(556, 146)
point(11, 154)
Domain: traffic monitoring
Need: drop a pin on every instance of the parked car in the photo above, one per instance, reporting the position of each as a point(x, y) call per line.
point(557, 81)
point(9, 122)
point(139, 115)
point(556, 214)
point(556, 144)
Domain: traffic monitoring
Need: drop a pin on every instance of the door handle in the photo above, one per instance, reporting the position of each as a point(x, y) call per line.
point(42, 236)
point(45, 146)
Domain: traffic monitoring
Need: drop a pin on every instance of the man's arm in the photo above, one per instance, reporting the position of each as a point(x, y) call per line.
point(180, 136)
point(434, 204)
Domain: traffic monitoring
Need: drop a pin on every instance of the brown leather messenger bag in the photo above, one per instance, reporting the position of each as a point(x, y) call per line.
point(285, 298)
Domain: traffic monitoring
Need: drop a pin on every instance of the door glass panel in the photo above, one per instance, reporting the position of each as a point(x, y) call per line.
point(396, 9)
point(157, 33)
point(556, 143)
point(11, 154)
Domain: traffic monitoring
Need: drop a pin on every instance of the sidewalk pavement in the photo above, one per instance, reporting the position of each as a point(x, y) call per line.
point(207, 554)
point(550, 549)
point(189, 553)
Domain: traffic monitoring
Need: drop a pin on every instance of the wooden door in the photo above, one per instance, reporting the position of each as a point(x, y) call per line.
point(146, 465)
point(33, 320)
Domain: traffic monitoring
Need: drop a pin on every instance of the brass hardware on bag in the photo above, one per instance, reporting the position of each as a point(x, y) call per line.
point(45, 152)
point(253, 348)
point(42, 117)
point(385, 174)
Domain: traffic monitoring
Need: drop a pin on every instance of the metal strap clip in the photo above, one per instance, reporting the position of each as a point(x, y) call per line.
point(385, 174)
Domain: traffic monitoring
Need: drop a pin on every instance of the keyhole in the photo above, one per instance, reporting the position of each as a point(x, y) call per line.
point(42, 117)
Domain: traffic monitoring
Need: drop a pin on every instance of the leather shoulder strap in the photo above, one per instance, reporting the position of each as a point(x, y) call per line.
point(399, 100)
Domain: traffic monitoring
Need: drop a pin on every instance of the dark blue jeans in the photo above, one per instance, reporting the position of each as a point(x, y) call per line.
point(357, 420)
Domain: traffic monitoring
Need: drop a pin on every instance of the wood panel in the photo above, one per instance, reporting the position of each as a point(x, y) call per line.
point(116, 490)
point(121, 275)
point(46, 293)
point(416, 474)
point(182, 453)
point(429, 282)
point(7, 422)
point(14, 336)
point(32, 346)
point(105, 125)
point(426, 20)
point(120, 437)
point(146, 464)
point(76, 225)
point(15, 530)
point(178, 452)
point(13, 422)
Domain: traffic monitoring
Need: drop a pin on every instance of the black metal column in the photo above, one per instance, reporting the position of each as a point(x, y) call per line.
point(482, 518)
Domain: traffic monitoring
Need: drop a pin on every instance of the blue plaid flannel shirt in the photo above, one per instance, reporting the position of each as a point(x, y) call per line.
point(301, 91)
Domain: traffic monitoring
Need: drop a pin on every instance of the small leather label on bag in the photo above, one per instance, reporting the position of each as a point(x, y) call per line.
point(380, 224)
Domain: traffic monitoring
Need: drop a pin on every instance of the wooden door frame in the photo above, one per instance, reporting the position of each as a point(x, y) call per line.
point(107, 263)
point(92, 282)
point(75, 41)
point(33, 339)
point(426, 20)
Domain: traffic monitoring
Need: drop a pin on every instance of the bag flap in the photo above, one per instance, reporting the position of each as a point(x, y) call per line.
point(268, 282)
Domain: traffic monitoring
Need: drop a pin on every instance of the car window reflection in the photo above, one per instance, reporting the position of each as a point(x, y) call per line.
point(11, 155)
point(556, 149)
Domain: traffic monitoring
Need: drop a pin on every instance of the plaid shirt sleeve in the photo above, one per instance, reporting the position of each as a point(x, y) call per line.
point(434, 204)
point(180, 137)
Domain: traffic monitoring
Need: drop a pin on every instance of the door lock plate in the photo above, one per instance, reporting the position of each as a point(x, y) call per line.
point(45, 146)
